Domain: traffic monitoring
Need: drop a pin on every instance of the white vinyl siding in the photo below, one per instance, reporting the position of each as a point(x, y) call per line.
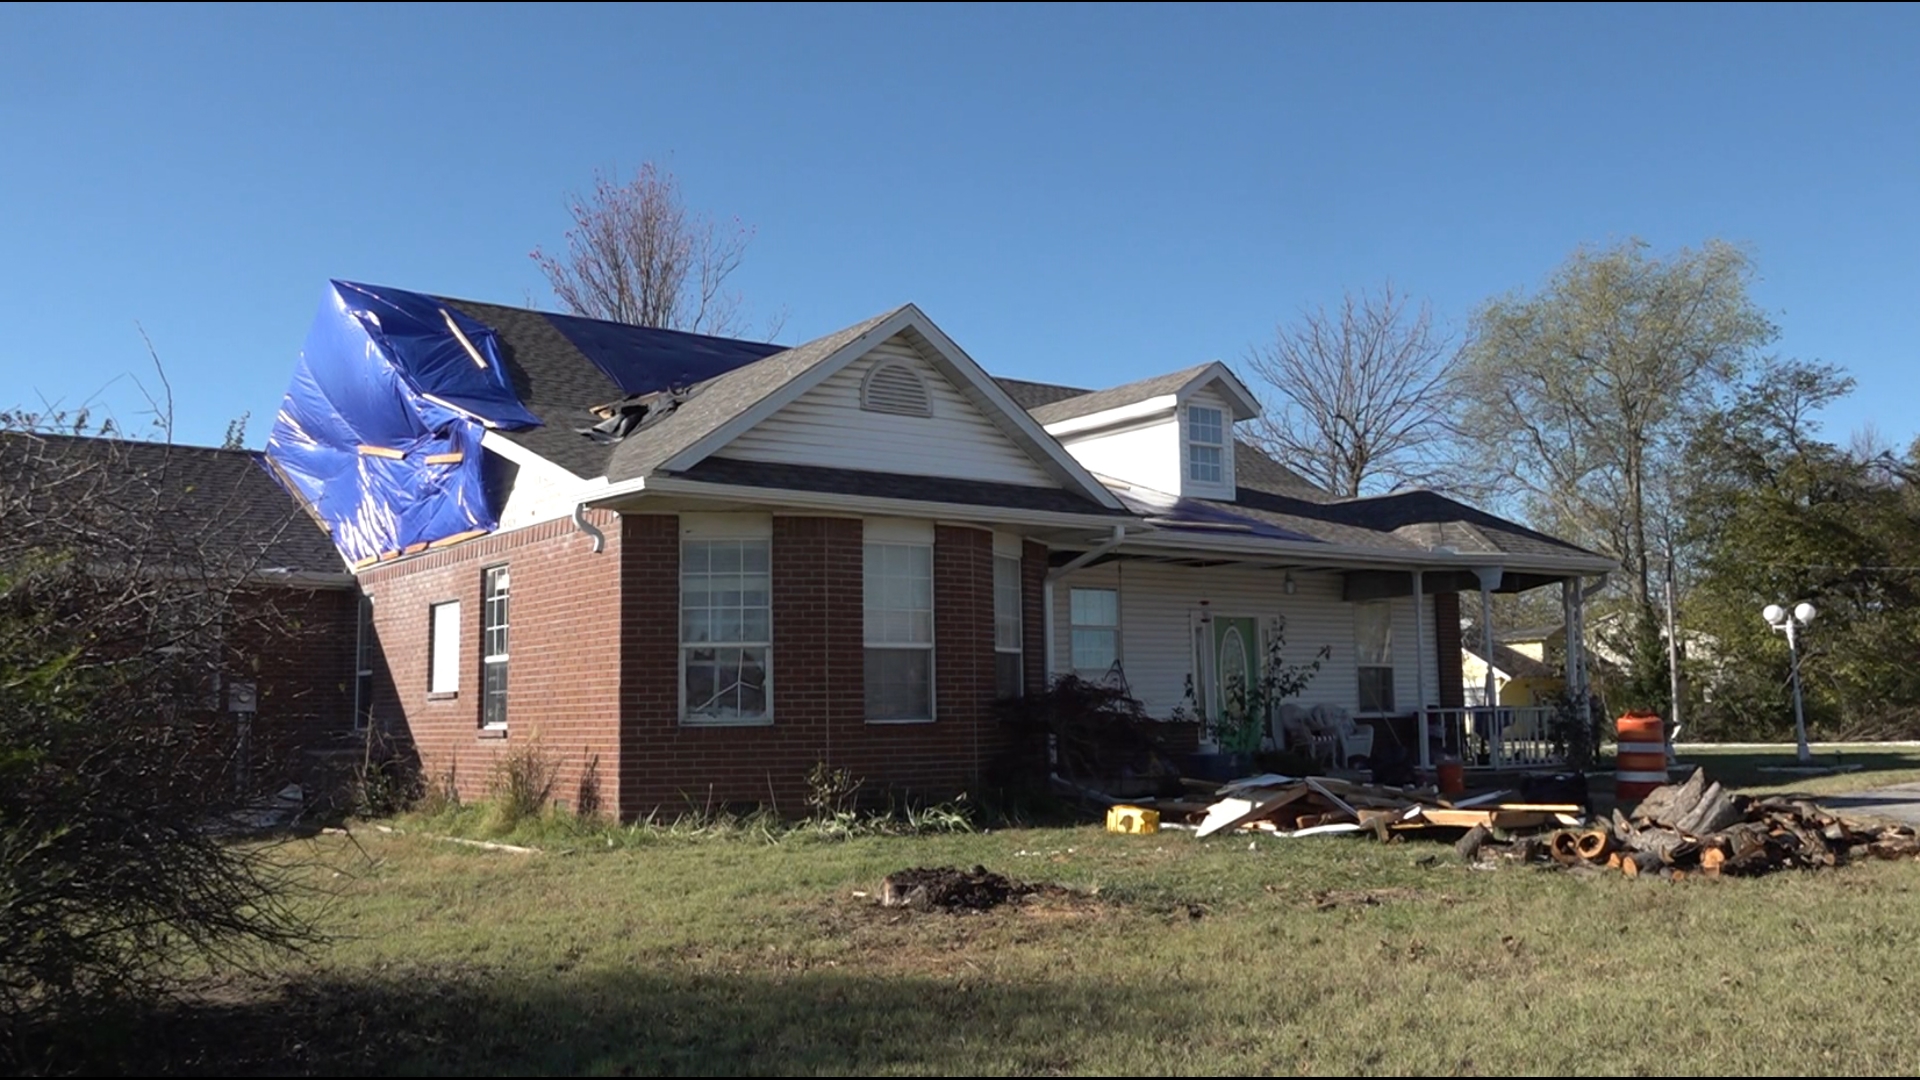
point(827, 426)
point(444, 648)
point(1148, 455)
point(1159, 604)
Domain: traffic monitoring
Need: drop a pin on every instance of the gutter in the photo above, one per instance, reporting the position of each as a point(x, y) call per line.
point(581, 523)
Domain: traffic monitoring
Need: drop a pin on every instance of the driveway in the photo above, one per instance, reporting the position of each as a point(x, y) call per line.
point(1900, 802)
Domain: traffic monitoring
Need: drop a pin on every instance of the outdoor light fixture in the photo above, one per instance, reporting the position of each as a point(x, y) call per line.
point(1789, 621)
point(1287, 586)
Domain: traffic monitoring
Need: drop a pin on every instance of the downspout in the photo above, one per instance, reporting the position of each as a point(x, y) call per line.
point(580, 522)
point(1046, 585)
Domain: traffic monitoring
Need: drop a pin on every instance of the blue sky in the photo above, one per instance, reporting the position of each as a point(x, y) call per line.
point(1079, 194)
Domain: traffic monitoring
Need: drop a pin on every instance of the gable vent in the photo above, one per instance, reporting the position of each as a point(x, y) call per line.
point(895, 388)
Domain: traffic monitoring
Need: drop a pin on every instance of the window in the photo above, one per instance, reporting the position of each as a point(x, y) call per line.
point(1009, 673)
point(726, 631)
point(1095, 619)
point(1206, 445)
point(444, 648)
point(493, 649)
point(895, 388)
point(363, 666)
point(898, 591)
point(1373, 654)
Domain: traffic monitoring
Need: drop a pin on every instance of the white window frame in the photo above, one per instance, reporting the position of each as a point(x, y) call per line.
point(496, 596)
point(1361, 649)
point(443, 648)
point(744, 533)
point(363, 664)
point(1009, 596)
point(1075, 625)
point(1218, 423)
point(871, 549)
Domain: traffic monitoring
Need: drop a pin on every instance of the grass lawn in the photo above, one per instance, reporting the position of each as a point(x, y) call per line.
point(1334, 955)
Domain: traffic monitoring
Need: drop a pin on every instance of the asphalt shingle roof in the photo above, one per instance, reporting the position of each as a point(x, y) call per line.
point(222, 505)
point(1115, 397)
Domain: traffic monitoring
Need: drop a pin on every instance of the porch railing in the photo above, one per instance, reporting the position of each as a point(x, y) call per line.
point(1493, 737)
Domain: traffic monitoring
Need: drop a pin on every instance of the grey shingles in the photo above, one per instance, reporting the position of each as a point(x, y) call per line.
point(1031, 395)
point(941, 489)
point(1115, 397)
point(221, 503)
point(719, 400)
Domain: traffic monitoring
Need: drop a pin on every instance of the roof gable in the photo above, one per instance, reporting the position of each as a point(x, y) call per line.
point(1177, 385)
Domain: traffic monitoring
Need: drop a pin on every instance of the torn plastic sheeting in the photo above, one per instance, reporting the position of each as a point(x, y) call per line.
point(379, 432)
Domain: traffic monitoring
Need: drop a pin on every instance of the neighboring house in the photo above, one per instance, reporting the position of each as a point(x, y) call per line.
point(288, 635)
point(691, 568)
point(1522, 674)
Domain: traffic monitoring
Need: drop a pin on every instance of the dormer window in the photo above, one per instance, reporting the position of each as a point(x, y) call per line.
point(895, 388)
point(1206, 445)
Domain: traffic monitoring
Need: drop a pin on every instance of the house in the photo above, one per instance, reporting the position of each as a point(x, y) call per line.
point(691, 568)
point(197, 521)
point(1522, 674)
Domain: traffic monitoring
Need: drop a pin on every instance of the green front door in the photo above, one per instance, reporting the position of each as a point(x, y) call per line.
point(1236, 659)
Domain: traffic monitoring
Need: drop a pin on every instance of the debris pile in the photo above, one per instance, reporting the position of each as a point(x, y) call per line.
point(951, 889)
point(1317, 805)
point(1700, 827)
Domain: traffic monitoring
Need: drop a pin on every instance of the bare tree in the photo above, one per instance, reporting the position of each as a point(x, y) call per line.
point(636, 254)
point(1363, 395)
point(124, 582)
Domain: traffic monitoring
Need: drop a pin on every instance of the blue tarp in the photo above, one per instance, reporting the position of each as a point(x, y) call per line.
point(379, 432)
point(641, 360)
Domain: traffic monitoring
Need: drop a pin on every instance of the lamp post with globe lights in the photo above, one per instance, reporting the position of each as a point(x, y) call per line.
point(1790, 621)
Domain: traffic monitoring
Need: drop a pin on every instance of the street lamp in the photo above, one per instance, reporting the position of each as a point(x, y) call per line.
point(1781, 619)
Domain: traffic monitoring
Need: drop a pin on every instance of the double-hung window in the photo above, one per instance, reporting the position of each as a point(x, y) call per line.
point(493, 648)
point(1373, 655)
point(1206, 445)
point(1009, 672)
point(1095, 629)
point(726, 627)
point(898, 602)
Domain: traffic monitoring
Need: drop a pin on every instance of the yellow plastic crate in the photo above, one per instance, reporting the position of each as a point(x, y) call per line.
point(1132, 819)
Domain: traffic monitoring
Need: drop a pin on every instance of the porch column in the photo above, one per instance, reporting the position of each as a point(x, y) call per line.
point(1420, 664)
point(1577, 650)
point(1489, 580)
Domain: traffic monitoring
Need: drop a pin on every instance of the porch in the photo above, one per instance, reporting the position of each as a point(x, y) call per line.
point(1179, 630)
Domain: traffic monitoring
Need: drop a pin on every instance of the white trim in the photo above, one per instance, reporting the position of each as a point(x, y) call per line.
point(1246, 405)
point(954, 362)
point(896, 530)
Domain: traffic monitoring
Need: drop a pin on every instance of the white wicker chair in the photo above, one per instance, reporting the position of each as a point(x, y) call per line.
point(1296, 726)
point(1353, 739)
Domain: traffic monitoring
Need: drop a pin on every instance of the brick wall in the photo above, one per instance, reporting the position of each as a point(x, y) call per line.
point(296, 647)
point(818, 677)
point(1446, 644)
point(563, 685)
point(1033, 614)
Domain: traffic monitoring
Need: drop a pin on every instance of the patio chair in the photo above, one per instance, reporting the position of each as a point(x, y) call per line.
point(1297, 733)
point(1351, 738)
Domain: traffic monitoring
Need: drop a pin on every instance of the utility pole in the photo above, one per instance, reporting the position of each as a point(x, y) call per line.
point(1673, 662)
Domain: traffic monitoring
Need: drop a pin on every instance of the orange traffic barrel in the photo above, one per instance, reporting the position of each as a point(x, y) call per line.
point(1640, 760)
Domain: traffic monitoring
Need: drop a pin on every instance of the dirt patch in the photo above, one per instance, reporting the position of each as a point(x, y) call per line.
point(948, 888)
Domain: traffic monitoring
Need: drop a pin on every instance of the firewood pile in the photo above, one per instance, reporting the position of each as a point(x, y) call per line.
point(1699, 827)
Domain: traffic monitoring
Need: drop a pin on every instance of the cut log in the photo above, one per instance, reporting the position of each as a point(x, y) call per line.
point(1670, 846)
point(1635, 863)
point(1711, 860)
point(1564, 846)
point(1469, 845)
point(1613, 860)
point(1593, 844)
point(1717, 809)
point(1668, 803)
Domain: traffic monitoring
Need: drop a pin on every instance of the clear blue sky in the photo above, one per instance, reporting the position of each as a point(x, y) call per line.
point(1078, 194)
